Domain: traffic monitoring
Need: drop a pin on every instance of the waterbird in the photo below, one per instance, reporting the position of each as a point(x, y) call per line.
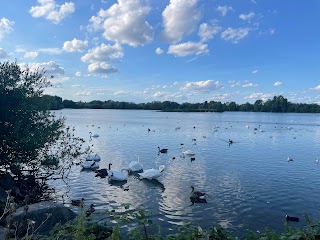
point(192, 159)
point(152, 173)
point(290, 159)
point(316, 161)
point(90, 210)
point(117, 175)
point(292, 219)
point(77, 202)
point(135, 166)
point(196, 194)
point(164, 150)
point(230, 141)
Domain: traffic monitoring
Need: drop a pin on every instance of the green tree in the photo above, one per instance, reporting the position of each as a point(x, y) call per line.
point(33, 142)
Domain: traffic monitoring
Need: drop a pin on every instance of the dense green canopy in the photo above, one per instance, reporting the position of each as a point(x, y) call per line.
point(32, 140)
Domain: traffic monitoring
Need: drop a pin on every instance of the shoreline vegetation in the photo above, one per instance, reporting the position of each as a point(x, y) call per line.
point(276, 104)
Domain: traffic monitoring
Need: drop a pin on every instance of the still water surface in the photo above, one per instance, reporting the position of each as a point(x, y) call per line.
point(250, 184)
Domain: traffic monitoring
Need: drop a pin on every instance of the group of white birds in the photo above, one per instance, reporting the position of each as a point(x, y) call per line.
point(134, 166)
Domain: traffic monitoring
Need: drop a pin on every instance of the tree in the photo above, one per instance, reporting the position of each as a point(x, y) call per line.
point(34, 144)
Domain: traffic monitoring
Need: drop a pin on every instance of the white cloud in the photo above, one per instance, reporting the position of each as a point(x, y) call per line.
point(317, 88)
point(259, 96)
point(249, 85)
point(223, 10)
point(235, 34)
point(180, 18)
point(247, 17)
point(276, 84)
point(124, 22)
point(3, 54)
point(75, 45)
point(84, 93)
point(202, 86)
point(207, 32)
point(6, 26)
point(101, 67)
point(103, 53)
point(51, 11)
point(159, 94)
point(234, 83)
point(188, 49)
point(221, 97)
point(255, 71)
point(51, 67)
point(78, 74)
point(159, 51)
point(271, 31)
point(120, 93)
point(52, 51)
point(31, 54)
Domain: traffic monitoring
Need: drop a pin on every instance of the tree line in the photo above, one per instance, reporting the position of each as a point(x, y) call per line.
point(276, 104)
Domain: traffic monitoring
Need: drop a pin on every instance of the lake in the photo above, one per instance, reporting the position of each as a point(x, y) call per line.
point(249, 184)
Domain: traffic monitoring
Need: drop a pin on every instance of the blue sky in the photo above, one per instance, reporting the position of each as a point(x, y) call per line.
point(178, 50)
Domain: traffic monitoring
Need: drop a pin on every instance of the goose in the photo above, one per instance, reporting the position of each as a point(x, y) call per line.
point(197, 197)
point(197, 194)
point(117, 175)
point(152, 173)
point(103, 172)
point(90, 210)
point(77, 202)
point(135, 166)
point(164, 150)
point(292, 219)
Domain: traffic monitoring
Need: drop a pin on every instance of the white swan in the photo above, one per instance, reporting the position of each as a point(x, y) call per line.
point(90, 164)
point(135, 166)
point(94, 157)
point(152, 173)
point(188, 153)
point(117, 175)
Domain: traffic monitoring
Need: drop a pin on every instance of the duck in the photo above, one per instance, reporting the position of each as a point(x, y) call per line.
point(77, 202)
point(152, 173)
point(163, 150)
point(292, 219)
point(90, 210)
point(135, 166)
point(230, 141)
point(117, 175)
point(290, 159)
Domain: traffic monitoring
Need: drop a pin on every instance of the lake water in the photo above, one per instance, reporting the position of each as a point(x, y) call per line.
point(250, 184)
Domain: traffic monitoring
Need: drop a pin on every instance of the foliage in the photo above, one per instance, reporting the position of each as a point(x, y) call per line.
point(34, 144)
point(277, 104)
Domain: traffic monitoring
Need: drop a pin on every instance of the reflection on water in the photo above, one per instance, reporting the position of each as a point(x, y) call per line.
point(249, 183)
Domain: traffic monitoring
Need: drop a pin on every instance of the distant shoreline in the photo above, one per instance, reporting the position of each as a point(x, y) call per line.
point(278, 104)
